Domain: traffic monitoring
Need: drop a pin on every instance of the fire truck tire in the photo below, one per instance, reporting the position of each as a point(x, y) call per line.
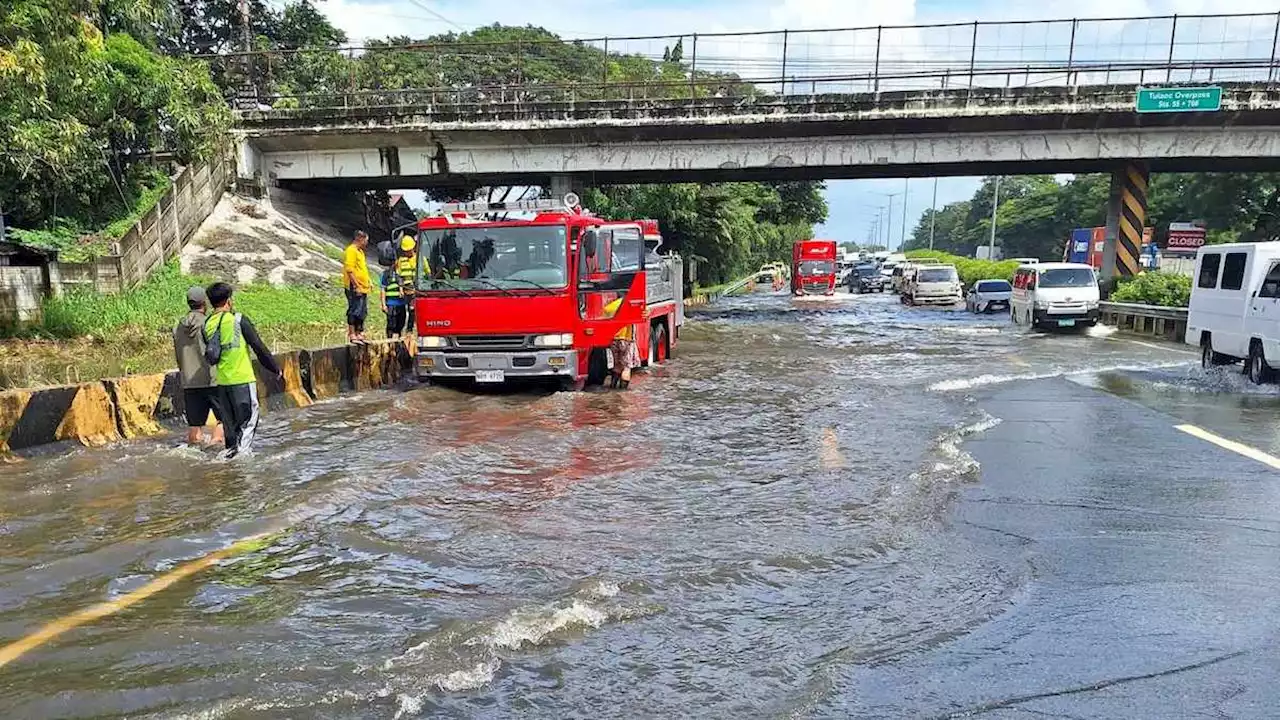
point(597, 366)
point(661, 345)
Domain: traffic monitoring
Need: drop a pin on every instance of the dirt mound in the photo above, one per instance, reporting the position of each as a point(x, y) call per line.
point(278, 242)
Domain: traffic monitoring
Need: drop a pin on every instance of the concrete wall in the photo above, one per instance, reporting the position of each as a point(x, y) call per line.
point(21, 291)
point(100, 412)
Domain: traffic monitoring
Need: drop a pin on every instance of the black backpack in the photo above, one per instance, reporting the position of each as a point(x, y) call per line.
point(386, 253)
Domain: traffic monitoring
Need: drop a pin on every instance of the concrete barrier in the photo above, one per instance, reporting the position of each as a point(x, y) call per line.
point(275, 394)
point(327, 372)
point(82, 413)
point(141, 404)
point(1166, 323)
point(138, 406)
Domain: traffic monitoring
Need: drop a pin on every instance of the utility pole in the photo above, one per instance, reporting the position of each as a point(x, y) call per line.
point(906, 193)
point(933, 213)
point(995, 204)
point(888, 231)
point(245, 37)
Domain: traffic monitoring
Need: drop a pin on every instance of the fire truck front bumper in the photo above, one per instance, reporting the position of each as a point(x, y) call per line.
point(498, 366)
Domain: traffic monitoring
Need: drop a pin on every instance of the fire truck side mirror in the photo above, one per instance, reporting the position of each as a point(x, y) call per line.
point(589, 243)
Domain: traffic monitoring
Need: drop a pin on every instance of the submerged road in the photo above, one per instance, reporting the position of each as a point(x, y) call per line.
point(823, 507)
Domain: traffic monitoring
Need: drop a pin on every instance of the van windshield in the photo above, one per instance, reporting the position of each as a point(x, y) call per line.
point(936, 275)
point(1067, 277)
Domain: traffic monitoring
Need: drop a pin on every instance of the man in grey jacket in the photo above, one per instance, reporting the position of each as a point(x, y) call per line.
point(199, 394)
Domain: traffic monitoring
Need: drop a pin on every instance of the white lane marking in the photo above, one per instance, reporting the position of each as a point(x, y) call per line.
point(1232, 445)
point(1164, 348)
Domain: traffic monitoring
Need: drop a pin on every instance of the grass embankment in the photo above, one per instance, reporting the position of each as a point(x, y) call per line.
point(969, 269)
point(86, 335)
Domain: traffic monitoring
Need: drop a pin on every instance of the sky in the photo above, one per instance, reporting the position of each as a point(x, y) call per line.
point(854, 204)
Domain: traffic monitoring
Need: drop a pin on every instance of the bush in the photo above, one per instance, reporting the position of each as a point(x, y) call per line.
point(1155, 288)
point(970, 269)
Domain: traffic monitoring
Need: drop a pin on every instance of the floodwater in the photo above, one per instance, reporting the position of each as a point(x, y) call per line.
point(724, 540)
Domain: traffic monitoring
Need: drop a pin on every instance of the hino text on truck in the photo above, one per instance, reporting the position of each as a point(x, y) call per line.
point(501, 299)
point(813, 267)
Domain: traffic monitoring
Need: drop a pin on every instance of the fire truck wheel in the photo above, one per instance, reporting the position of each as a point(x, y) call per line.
point(597, 366)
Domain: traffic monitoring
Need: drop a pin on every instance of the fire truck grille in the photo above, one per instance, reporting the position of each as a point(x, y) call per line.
point(490, 342)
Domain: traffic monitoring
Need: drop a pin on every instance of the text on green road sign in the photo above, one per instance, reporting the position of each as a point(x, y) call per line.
point(1185, 99)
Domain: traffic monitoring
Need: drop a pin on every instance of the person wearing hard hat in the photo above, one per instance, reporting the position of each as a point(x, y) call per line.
point(406, 270)
point(622, 348)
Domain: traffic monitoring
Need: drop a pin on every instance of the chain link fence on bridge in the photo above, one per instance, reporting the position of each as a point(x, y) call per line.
point(540, 68)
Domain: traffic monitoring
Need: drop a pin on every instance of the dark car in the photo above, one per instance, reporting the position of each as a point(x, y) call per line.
point(865, 278)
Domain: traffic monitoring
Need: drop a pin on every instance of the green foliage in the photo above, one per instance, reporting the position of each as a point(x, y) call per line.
point(79, 111)
point(969, 269)
point(1155, 288)
point(734, 227)
point(1037, 214)
point(155, 306)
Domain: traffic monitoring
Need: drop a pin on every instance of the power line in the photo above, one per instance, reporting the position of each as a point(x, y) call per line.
point(435, 14)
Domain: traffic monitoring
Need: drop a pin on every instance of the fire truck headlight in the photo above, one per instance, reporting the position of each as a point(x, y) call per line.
point(559, 340)
point(432, 341)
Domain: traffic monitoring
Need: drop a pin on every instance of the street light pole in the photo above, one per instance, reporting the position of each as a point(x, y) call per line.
point(933, 213)
point(906, 194)
point(995, 204)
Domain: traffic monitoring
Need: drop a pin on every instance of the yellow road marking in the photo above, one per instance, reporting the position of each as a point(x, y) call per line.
point(1019, 361)
point(1232, 445)
point(17, 649)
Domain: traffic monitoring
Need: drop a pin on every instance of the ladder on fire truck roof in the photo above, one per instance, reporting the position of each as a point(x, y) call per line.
point(568, 203)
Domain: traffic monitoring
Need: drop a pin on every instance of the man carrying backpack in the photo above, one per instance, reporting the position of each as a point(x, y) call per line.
point(228, 336)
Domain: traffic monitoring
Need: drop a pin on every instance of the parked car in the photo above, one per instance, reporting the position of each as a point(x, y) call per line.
point(988, 296)
point(933, 285)
point(864, 279)
point(1055, 295)
point(1234, 312)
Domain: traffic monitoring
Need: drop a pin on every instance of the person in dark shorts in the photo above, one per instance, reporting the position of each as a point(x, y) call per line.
point(198, 390)
point(393, 303)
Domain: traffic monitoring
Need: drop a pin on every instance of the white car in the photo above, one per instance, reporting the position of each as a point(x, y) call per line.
point(1235, 307)
point(934, 285)
point(988, 296)
point(1055, 295)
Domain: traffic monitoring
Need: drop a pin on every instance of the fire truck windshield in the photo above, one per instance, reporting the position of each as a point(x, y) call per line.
point(489, 258)
point(817, 267)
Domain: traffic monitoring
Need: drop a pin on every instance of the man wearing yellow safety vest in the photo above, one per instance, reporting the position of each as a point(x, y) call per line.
point(407, 270)
point(623, 349)
point(394, 299)
point(228, 336)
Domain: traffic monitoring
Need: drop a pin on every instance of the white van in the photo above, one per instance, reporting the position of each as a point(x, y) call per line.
point(1055, 295)
point(1235, 306)
point(934, 285)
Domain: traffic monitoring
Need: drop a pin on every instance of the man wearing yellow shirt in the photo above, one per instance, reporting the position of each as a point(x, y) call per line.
point(355, 278)
point(623, 349)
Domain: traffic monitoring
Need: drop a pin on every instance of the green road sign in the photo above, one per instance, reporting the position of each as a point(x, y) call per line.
point(1180, 99)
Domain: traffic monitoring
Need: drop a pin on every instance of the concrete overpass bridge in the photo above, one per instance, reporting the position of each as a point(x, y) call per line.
point(950, 116)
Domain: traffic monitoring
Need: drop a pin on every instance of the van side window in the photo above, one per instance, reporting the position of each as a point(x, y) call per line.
point(1233, 271)
point(1271, 285)
point(1209, 270)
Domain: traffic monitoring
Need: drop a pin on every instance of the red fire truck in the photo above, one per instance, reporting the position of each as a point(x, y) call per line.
point(813, 267)
point(501, 299)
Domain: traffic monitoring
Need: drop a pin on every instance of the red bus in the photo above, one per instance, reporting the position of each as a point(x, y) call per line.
point(813, 267)
point(500, 299)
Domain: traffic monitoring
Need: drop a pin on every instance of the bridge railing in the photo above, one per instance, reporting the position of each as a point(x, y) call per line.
point(784, 63)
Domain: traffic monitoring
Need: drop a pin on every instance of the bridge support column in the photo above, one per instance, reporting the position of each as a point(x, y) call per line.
point(1126, 221)
point(250, 175)
point(562, 185)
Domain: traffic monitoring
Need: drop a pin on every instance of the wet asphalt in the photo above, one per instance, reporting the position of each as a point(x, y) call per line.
point(829, 507)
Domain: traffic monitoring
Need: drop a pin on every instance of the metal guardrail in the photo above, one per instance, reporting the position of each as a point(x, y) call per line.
point(1168, 323)
point(780, 64)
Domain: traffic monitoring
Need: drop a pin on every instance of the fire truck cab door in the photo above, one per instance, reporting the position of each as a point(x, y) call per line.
point(610, 266)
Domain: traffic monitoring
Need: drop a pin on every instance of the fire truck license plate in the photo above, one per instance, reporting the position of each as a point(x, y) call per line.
point(490, 376)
